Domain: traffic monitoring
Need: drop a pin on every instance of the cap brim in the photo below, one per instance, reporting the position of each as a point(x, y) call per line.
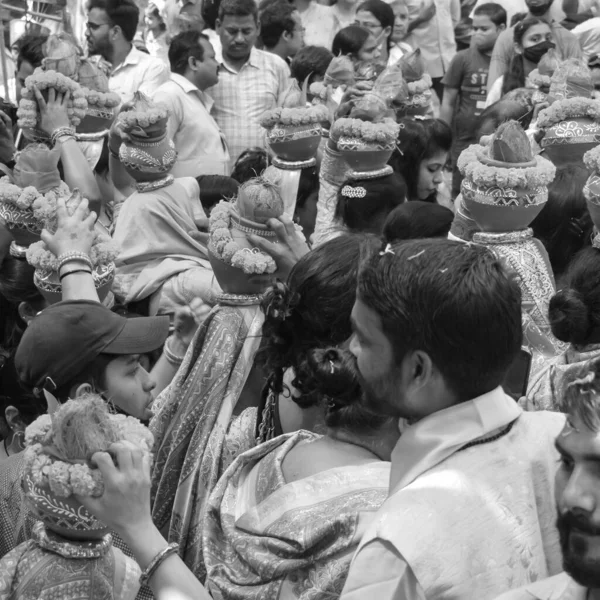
point(139, 336)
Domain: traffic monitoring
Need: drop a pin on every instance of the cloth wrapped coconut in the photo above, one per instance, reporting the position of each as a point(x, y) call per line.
point(61, 54)
point(37, 166)
point(418, 83)
point(571, 79)
point(541, 77)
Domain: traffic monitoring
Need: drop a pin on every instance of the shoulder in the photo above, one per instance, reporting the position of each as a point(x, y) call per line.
point(270, 60)
point(505, 40)
point(560, 32)
point(546, 589)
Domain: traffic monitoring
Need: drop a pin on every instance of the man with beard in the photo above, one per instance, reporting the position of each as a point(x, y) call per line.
point(250, 81)
point(110, 29)
point(567, 45)
point(470, 514)
point(577, 495)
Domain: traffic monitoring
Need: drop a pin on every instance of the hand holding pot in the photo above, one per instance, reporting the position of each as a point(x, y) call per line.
point(53, 113)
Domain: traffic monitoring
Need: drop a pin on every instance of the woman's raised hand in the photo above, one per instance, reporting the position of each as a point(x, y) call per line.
point(74, 233)
point(124, 505)
point(53, 113)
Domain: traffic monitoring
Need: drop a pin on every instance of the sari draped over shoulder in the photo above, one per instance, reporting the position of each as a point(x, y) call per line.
point(548, 384)
point(265, 538)
point(192, 420)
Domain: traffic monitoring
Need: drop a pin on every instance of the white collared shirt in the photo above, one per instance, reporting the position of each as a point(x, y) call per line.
point(241, 98)
point(139, 72)
point(201, 147)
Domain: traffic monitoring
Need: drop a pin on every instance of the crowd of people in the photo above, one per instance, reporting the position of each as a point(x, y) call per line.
point(361, 376)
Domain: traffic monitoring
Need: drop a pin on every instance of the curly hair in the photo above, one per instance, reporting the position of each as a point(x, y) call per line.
point(310, 312)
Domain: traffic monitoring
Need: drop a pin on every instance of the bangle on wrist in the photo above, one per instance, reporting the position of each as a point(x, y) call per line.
point(74, 256)
point(157, 561)
point(61, 277)
point(171, 357)
point(61, 132)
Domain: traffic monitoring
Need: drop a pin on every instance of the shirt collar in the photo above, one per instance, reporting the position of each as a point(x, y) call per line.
point(435, 438)
point(253, 61)
point(133, 58)
point(188, 87)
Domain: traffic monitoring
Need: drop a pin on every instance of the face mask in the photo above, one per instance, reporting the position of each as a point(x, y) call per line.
point(534, 53)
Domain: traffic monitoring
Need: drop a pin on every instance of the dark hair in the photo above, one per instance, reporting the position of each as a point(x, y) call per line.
point(514, 76)
point(500, 112)
point(368, 214)
point(575, 310)
point(238, 8)
point(214, 188)
point(31, 49)
point(308, 184)
point(564, 225)
point(495, 13)
point(310, 312)
point(350, 40)
point(418, 141)
point(311, 62)
point(94, 374)
point(451, 300)
point(156, 13)
point(382, 11)
point(336, 380)
point(12, 394)
point(183, 46)
point(250, 163)
point(276, 19)
point(517, 18)
point(416, 220)
point(210, 12)
point(121, 13)
point(581, 397)
point(16, 286)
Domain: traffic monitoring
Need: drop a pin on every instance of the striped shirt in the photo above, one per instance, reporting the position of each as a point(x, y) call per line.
point(241, 98)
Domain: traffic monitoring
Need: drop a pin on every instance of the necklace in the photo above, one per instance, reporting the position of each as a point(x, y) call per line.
point(492, 438)
point(5, 448)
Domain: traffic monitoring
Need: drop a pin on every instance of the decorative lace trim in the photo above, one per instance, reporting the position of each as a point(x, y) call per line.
point(152, 186)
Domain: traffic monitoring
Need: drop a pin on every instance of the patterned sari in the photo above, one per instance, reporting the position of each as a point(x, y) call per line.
point(265, 538)
point(192, 421)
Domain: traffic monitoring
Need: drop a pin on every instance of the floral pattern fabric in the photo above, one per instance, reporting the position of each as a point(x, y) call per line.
point(266, 538)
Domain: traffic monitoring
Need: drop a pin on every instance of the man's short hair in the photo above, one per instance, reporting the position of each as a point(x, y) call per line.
point(453, 301)
point(122, 13)
point(274, 21)
point(493, 11)
point(31, 49)
point(310, 61)
point(580, 396)
point(182, 46)
point(238, 8)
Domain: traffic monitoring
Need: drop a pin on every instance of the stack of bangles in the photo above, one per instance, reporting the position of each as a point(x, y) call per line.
point(62, 134)
point(157, 561)
point(171, 357)
point(80, 258)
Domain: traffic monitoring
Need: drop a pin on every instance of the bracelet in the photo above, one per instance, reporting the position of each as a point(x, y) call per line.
point(64, 138)
point(157, 561)
point(170, 355)
point(113, 153)
point(60, 132)
point(66, 257)
point(61, 277)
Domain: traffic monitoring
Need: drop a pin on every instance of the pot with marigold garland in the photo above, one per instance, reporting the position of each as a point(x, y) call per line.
point(504, 189)
point(70, 549)
point(591, 189)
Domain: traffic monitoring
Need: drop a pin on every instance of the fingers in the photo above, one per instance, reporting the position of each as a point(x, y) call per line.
point(82, 209)
point(263, 244)
point(46, 236)
point(39, 98)
point(105, 464)
point(200, 236)
point(288, 223)
point(66, 97)
point(279, 228)
point(90, 221)
point(51, 96)
point(61, 209)
point(201, 222)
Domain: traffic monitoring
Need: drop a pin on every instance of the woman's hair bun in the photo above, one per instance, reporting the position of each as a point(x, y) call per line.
point(336, 375)
point(278, 302)
point(569, 317)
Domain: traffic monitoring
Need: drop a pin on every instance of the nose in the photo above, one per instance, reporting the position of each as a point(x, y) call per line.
point(149, 383)
point(239, 38)
point(577, 493)
point(437, 178)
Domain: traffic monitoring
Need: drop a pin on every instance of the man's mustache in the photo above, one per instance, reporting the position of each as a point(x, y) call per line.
point(570, 520)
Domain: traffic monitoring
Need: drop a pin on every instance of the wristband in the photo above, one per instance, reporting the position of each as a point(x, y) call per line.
point(73, 256)
point(61, 277)
point(171, 357)
point(157, 561)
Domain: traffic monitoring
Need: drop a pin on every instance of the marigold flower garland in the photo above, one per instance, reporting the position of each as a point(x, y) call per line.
point(420, 85)
point(539, 80)
point(28, 111)
point(470, 165)
point(131, 119)
point(13, 194)
point(572, 108)
point(591, 159)
point(294, 116)
point(225, 247)
point(99, 100)
point(64, 478)
point(385, 132)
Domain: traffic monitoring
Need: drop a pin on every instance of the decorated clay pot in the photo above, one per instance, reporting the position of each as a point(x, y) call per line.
point(96, 120)
point(364, 156)
point(64, 516)
point(50, 287)
point(32, 134)
point(503, 209)
point(295, 142)
point(148, 159)
point(149, 132)
point(569, 140)
point(231, 279)
point(23, 226)
point(591, 191)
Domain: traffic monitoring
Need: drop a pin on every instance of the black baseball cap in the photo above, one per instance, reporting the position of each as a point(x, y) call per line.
point(66, 337)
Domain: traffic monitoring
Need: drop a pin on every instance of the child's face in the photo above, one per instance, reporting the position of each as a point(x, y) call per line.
point(370, 51)
point(485, 33)
point(400, 22)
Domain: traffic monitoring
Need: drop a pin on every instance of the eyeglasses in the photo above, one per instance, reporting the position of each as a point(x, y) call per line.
point(369, 26)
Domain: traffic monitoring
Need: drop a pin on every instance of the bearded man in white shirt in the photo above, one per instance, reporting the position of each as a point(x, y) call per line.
point(577, 495)
point(201, 147)
point(437, 325)
point(110, 30)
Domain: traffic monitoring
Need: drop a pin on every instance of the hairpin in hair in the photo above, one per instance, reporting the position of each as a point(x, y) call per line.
point(575, 227)
point(596, 241)
point(17, 251)
point(387, 250)
point(331, 367)
point(349, 191)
